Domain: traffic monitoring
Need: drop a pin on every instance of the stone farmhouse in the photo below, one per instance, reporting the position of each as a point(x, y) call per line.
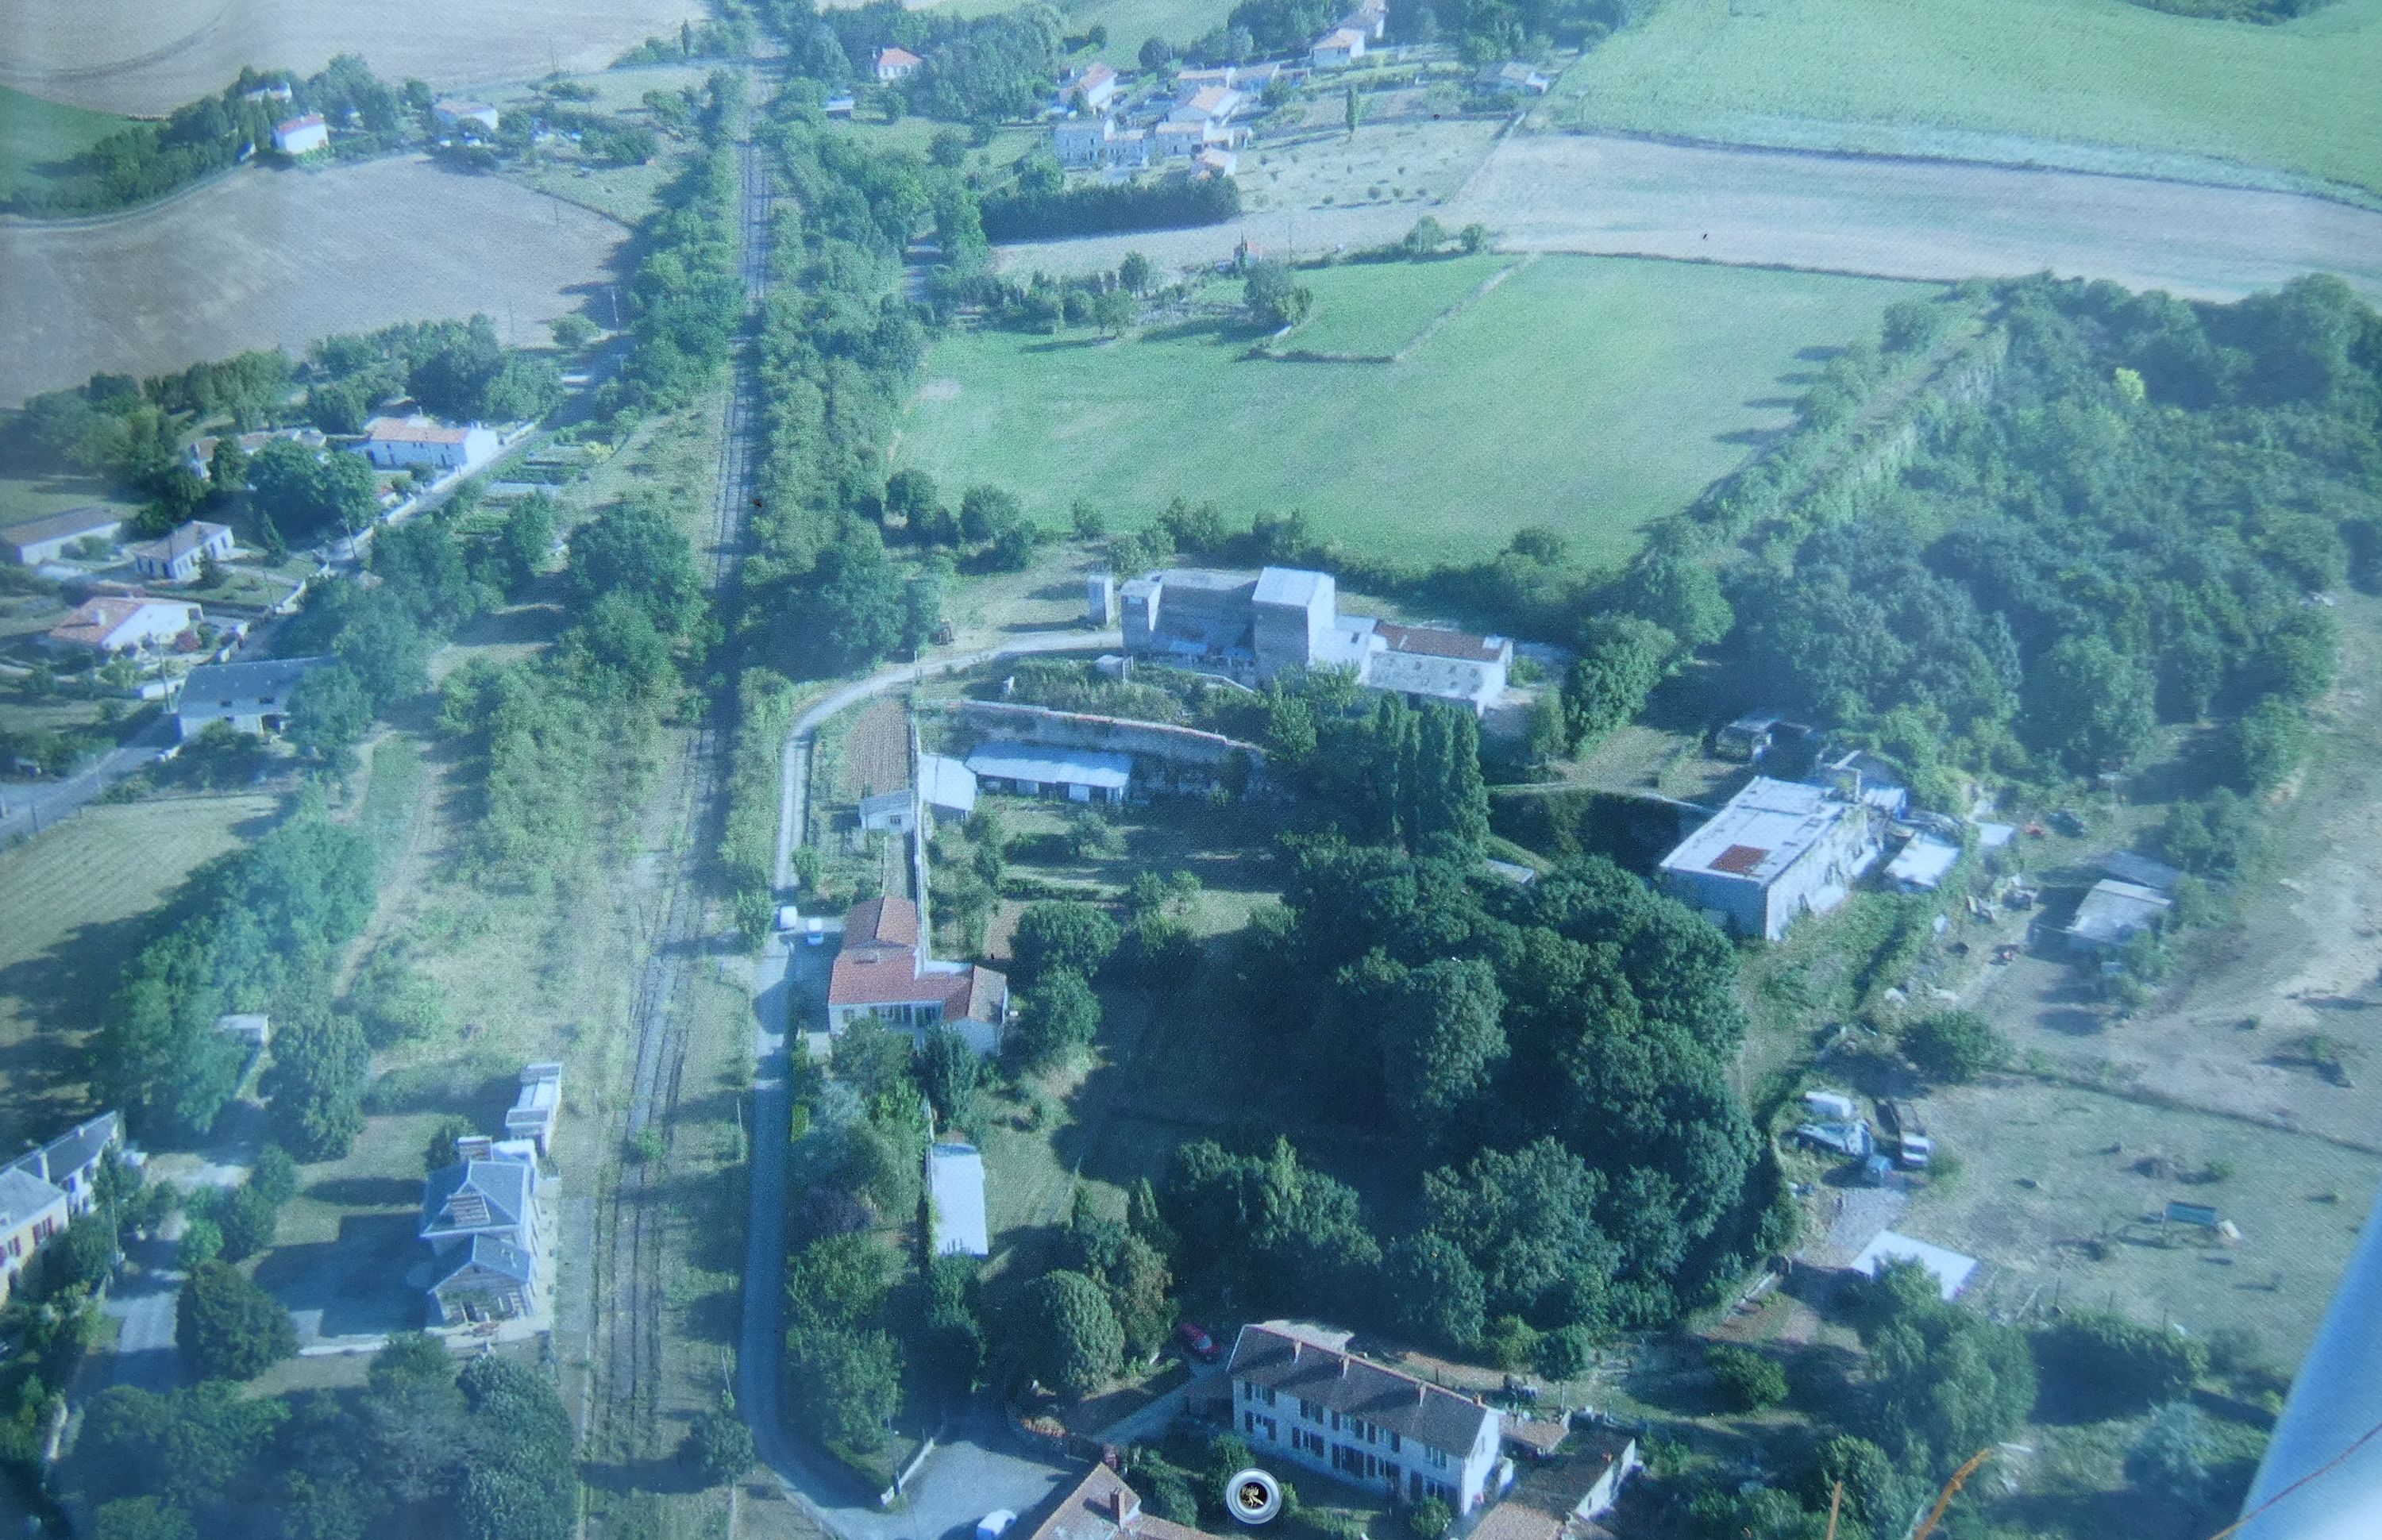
point(43, 1190)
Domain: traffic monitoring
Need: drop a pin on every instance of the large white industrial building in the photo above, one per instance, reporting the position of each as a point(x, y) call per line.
point(1253, 626)
point(1775, 850)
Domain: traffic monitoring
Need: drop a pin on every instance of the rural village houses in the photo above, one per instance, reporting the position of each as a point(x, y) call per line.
point(40, 540)
point(252, 697)
point(178, 558)
point(111, 625)
point(883, 972)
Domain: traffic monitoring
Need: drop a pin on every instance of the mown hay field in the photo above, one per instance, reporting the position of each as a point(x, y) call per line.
point(1589, 394)
point(71, 903)
point(1375, 310)
point(266, 257)
point(1945, 78)
point(152, 55)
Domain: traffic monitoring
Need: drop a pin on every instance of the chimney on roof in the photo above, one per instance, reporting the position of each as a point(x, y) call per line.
point(1343, 1365)
point(1421, 1391)
point(1294, 1350)
point(1126, 1507)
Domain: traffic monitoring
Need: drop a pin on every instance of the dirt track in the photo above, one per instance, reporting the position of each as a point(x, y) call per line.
point(152, 55)
point(266, 257)
point(1902, 219)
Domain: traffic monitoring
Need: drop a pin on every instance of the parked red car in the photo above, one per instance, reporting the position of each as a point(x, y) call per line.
point(1197, 1341)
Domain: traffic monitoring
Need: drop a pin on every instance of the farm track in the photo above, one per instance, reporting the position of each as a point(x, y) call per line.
point(628, 1331)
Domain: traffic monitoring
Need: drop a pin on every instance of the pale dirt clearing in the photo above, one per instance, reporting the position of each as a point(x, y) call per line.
point(1902, 219)
point(2304, 958)
point(152, 55)
point(266, 257)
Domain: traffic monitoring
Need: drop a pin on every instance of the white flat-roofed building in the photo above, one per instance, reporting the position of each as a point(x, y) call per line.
point(534, 1111)
point(1035, 770)
point(955, 1182)
point(402, 443)
point(1776, 851)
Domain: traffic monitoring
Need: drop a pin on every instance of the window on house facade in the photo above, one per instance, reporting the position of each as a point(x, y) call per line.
point(1394, 1443)
point(1438, 1459)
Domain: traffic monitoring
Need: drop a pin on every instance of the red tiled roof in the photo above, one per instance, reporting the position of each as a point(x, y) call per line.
point(882, 922)
point(291, 125)
point(897, 56)
point(1429, 641)
point(92, 625)
point(882, 976)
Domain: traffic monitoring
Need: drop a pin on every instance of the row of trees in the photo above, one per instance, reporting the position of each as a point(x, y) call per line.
point(149, 160)
point(686, 294)
point(2124, 531)
point(1562, 1051)
point(1173, 204)
point(486, 1453)
point(558, 744)
point(253, 930)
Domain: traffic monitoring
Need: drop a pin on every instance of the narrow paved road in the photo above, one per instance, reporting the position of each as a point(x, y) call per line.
point(979, 1465)
point(27, 808)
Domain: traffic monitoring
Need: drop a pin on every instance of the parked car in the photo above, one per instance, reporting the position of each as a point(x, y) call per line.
point(993, 1526)
point(816, 933)
point(1201, 1345)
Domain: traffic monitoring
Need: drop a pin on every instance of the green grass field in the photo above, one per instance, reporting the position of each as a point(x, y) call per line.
point(70, 903)
point(35, 133)
point(1949, 76)
point(1375, 310)
point(1589, 394)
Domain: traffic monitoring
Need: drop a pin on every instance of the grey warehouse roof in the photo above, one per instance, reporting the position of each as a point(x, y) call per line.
point(1294, 1362)
point(1291, 585)
point(502, 1185)
point(1049, 766)
point(946, 783)
point(2114, 909)
point(263, 680)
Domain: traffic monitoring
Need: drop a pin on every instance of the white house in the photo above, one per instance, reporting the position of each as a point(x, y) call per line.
point(1096, 89)
point(889, 812)
point(896, 64)
point(252, 698)
point(1775, 850)
point(1085, 143)
point(883, 972)
point(1299, 1395)
point(402, 443)
point(1217, 104)
point(451, 114)
point(178, 558)
point(1337, 49)
point(302, 135)
point(46, 539)
point(111, 624)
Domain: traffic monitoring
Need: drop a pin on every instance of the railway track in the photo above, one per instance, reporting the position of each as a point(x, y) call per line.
point(632, 1240)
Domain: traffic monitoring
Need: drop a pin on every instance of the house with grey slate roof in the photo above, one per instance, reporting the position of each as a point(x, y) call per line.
point(1299, 1395)
point(480, 1219)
